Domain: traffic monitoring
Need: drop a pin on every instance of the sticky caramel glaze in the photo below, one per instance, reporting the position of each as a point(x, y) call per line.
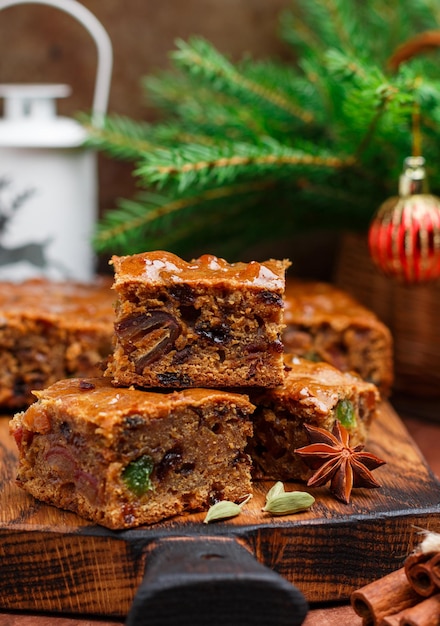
point(165, 267)
point(313, 302)
point(64, 302)
point(322, 383)
point(97, 401)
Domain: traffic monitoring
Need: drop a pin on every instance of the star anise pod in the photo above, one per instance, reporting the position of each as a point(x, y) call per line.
point(330, 454)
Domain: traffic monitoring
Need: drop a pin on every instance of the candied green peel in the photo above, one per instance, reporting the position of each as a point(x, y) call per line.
point(345, 413)
point(137, 475)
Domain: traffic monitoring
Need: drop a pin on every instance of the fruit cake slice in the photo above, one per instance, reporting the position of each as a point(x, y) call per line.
point(313, 393)
point(125, 457)
point(51, 330)
point(324, 323)
point(206, 323)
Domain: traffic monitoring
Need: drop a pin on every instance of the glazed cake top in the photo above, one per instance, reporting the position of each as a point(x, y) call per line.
point(318, 385)
point(313, 302)
point(65, 303)
point(96, 400)
point(159, 267)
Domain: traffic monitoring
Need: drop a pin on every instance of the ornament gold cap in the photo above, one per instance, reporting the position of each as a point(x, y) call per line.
point(413, 178)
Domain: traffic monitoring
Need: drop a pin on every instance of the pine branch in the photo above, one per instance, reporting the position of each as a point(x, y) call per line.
point(201, 59)
point(205, 165)
point(255, 150)
point(196, 106)
point(176, 93)
point(321, 25)
point(120, 136)
point(153, 212)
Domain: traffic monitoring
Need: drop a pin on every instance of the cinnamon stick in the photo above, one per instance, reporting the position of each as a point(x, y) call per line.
point(419, 571)
point(435, 569)
point(384, 597)
point(391, 620)
point(425, 613)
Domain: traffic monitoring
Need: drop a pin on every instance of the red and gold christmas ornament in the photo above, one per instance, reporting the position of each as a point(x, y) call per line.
point(404, 235)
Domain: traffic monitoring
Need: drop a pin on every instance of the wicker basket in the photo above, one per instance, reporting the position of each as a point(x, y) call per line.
point(411, 312)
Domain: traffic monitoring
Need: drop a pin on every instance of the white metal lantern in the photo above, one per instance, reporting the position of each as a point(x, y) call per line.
point(48, 178)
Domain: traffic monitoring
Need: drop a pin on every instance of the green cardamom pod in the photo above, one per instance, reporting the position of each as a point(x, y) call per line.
point(288, 502)
point(224, 510)
point(276, 490)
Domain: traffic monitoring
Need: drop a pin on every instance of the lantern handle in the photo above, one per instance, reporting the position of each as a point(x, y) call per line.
point(103, 45)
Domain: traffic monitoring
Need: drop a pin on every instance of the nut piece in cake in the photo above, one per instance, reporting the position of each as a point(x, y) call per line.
point(125, 457)
point(316, 394)
point(49, 331)
point(206, 323)
point(324, 323)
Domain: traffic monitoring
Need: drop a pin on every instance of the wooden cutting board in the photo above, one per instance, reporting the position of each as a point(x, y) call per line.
point(51, 560)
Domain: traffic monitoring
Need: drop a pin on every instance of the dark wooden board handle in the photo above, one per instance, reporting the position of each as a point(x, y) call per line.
point(212, 581)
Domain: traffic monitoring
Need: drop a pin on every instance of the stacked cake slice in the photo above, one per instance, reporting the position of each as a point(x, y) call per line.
point(207, 323)
point(135, 447)
point(197, 395)
point(124, 457)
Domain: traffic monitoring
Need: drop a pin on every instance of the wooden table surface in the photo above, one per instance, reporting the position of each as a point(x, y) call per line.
point(426, 435)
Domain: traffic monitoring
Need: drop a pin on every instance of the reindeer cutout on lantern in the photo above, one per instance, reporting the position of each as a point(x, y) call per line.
point(34, 253)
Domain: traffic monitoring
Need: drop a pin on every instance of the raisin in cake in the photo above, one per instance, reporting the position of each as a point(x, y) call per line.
point(323, 323)
point(124, 457)
point(315, 394)
point(206, 323)
point(51, 330)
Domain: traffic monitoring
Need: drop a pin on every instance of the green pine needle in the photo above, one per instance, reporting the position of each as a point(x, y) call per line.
point(123, 137)
point(200, 166)
point(202, 60)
